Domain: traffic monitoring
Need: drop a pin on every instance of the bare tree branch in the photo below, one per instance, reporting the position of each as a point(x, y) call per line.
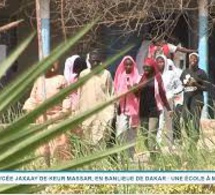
point(10, 25)
point(67, 16)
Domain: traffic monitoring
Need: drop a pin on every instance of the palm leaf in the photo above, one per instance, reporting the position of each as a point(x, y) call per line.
point(30, 117)
point(77, 163)
point(25, 131)
point(19, 163)
point(31, 142)
point(25, 138)
point(74, 164)
point(18, 87)
point(8, 62)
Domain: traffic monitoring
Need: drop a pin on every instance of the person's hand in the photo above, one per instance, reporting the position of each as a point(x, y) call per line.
point(192, 81)
point(194, 50)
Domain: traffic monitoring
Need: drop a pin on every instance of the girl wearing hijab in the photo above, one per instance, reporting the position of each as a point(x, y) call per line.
point(73, 67)
point(172, 86)
point(152, 100)
point(127, 76)
point(193, 80)
point(68, 69)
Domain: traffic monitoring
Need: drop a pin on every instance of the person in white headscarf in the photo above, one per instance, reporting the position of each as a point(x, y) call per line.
point(68, 69)
point(173, 86)
point(73, 67)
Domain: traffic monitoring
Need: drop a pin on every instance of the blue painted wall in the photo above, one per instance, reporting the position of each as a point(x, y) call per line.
point(203, 55)
point(45, 22)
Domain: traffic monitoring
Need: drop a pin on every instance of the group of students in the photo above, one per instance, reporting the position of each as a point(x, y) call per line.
point(162, 93)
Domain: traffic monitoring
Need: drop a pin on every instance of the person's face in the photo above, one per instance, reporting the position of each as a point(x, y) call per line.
point(161, 64)
point(147, 69)
point(128, 64)
point(55, 66)
point(94, 60)
point(53, 70)
point(193, 60)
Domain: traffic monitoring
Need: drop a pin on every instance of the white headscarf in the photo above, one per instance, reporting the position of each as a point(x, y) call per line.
point(166, 67)
point(194, 54)
point(170, 63)
point(68, 69)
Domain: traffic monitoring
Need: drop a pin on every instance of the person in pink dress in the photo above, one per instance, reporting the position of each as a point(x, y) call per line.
point(126, 77)
point(44, 88)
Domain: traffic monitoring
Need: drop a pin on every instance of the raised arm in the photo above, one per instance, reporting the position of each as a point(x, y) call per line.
point(185, 50)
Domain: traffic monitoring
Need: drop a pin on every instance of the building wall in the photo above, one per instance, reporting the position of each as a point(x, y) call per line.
point(114, 41)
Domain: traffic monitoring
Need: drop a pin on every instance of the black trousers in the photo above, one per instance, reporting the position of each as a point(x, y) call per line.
point(112, 141)
point(176, 122)
point(191, 114)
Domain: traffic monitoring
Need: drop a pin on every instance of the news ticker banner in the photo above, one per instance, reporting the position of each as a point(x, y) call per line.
point(107, 177)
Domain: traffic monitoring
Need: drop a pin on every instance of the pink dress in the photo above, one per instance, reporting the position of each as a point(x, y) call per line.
point(129, 104)
point(71, 103)
point(52, 86)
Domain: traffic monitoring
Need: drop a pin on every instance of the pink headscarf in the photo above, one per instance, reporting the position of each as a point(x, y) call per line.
point(120, 79)
point(149, 62)
point(129, 104)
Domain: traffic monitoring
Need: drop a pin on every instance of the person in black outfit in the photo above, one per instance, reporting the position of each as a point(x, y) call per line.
point(152, 101)
point(176, 124)
point(194, 80)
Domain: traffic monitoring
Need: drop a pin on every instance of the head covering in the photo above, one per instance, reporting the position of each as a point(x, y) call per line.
point(68, 69)
point(121, 77)
point(177, 70)
point(194, 54)
point(166, 66)
point(121, 82)
point(152, 63)
point(170, 63)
